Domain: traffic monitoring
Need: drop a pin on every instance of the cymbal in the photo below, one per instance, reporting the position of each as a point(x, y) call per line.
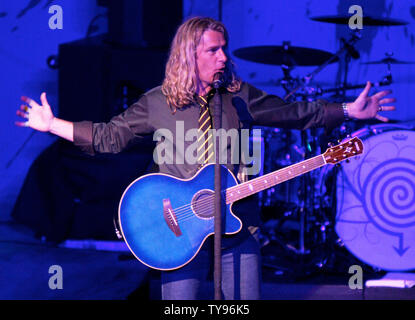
point(389, 60)
point(284, 55)
point(367, 21)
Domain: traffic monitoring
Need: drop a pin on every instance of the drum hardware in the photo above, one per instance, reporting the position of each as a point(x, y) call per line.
point(351, 52)
point(387, 80)
point(287, 82)
point(389, 60)
point(347, 47)
point(288, 57)
point(314, 211)
point(311, 93)
point(308, 146)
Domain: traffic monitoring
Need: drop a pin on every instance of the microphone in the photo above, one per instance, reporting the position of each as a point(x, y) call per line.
point(217, 80)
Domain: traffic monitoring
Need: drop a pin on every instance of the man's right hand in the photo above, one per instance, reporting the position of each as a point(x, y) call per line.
point(39, 117)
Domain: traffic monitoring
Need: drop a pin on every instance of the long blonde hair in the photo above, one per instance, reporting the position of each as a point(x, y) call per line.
point(180, 82)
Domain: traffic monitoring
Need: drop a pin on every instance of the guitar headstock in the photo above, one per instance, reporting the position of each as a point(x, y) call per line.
point(343, 151)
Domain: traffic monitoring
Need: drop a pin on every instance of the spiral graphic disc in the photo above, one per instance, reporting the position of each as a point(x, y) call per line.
point(389, 194)
point(376, 201)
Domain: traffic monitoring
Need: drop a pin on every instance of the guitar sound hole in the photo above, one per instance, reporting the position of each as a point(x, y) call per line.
point(203, 204)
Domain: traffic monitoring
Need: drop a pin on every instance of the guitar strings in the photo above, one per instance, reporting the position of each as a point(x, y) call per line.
point(185, 211)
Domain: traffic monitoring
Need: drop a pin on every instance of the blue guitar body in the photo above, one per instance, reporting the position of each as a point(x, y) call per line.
point(165, 220)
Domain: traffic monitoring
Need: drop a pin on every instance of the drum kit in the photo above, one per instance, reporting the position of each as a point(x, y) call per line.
point(300, 232)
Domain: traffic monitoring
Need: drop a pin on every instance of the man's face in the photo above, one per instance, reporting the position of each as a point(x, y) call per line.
point(210, 56)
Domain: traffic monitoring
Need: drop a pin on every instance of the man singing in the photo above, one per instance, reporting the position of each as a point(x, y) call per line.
point(198, 52)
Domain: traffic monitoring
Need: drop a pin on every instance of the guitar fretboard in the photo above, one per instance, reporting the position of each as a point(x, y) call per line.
point(269, 180)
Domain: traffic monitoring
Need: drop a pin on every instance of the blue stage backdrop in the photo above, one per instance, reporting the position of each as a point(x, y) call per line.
point(27, 41)
point(28, 38)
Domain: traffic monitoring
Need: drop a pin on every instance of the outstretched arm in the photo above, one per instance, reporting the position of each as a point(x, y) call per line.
point(270, 110)
point(41, 118)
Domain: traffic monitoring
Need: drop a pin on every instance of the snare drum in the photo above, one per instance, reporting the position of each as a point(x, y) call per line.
point(376, 199)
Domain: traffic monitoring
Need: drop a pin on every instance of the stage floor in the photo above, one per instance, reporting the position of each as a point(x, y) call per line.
point(27, 266)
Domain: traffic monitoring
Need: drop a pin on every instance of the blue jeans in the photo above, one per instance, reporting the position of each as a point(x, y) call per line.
point(241, 275)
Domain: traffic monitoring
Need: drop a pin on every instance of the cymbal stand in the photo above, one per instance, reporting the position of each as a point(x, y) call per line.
point(307, 189)
point(303, 196)
point(307, 185)
point(347, 60)
point(287, 82)
point(307, 79)
point(305, 200)
point(387, 80)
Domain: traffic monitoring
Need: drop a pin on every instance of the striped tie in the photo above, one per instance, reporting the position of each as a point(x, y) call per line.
point(205, 140)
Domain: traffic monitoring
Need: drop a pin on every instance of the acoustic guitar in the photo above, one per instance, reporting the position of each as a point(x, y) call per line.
point(165, 220)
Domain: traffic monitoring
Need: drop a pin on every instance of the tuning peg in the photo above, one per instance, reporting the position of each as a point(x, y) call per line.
point(330, 144)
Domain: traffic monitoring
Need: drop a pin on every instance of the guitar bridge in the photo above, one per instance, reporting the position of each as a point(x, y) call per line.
point(171, 218)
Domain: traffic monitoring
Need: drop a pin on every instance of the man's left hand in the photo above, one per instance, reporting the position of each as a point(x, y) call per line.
point(365, 107)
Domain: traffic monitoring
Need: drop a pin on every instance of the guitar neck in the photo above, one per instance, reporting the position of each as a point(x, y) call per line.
point(269, 180)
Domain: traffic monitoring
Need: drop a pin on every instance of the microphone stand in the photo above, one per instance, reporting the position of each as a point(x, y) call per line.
point(217, 121)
